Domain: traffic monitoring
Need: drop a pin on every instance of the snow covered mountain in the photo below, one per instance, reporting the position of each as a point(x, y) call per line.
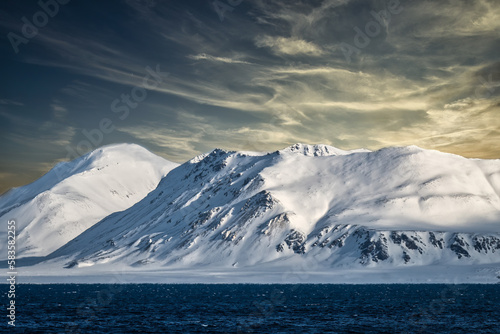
point(396, 207)
point(75, 195)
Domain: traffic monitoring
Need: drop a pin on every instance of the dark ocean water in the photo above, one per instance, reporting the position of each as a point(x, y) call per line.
point(148, 308)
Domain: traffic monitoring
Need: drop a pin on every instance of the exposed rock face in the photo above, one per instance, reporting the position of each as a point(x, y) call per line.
point(295, 241)
point(435, 242)
point(486, 244)
point(374, 251)
point(459, 246)
point(408, 242)
point(374, 246)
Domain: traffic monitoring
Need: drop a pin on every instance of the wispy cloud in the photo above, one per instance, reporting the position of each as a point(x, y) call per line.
point(204, 56)
point(8, 102)
point(59, 110)
point(271, 74)
point(288, 46)
point(39, 136)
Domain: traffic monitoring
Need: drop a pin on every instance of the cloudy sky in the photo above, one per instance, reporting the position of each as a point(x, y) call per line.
point(183, 77)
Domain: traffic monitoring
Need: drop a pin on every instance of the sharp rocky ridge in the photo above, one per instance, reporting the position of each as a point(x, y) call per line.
point(402, 206)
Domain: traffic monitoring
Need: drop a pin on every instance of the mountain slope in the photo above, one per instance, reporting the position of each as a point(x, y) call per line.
point(393, 207)
point(75, 195)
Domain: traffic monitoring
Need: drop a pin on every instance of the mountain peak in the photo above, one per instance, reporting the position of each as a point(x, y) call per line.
point(74, 195)
point(113, 151)
point(320, 150)
point(214, 154)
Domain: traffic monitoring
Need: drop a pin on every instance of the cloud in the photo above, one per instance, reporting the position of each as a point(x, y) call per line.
point(288, 46)
point(455, 19)
point(10, 102)
point(58, 109)
point(178, 146)
point(466, 127)
point(204, 56)
point(274, 74)
point(302, 18)
point(44, 136)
